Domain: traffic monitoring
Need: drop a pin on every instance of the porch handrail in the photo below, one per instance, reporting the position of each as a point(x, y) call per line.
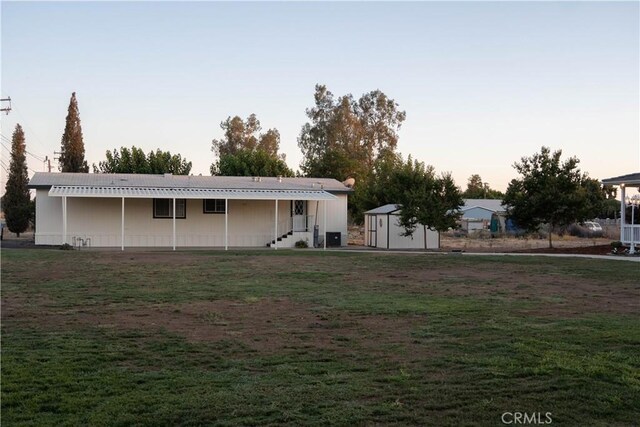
point(630, 233)
point(285, 226)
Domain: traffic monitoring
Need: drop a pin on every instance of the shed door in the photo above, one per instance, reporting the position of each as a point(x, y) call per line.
point(373, 228)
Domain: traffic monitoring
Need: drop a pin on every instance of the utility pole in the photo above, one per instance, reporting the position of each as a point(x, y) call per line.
point(6, 109)
point(59, 153)
point(47, 160)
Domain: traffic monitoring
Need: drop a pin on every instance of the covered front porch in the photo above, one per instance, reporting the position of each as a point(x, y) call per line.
point(187, 217)
point(629, 229)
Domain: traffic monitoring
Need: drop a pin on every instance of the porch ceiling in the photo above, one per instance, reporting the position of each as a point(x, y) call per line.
point(187, 193)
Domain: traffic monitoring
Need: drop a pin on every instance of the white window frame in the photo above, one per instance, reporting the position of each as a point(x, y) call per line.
point(219, 206)
point(181, 209)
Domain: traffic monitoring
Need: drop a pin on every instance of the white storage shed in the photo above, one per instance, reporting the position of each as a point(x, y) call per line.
point(382, 230)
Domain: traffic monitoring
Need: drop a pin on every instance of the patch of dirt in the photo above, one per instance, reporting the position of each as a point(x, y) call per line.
point(565, 244)
point(265, 325)
point(580, 250)
point(136, 257)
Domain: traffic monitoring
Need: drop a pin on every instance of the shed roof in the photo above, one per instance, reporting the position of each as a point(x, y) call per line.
point(630, 180)
point(386, 209)
point(45, 180)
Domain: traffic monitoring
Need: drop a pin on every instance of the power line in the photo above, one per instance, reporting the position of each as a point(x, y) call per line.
point(4, 166)
point(6, 109)
point(35, 156)
point(33, 133)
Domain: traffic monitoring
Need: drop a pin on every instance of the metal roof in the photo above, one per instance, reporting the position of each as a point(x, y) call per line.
point(493, 205)
point(187, 193)
point(630, 180)
point(45, 180)
point(386, 209)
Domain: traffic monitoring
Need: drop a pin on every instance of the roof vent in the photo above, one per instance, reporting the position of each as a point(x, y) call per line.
point(279, 178)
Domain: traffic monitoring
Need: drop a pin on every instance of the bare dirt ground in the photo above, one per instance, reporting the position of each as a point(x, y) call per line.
point(268, 324)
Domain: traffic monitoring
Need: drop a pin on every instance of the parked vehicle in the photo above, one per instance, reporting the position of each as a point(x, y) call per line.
point(593, 226)
point(594, 229)
point(585, 229)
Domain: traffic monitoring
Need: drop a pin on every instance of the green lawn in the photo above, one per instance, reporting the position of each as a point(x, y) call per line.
point(304, 337)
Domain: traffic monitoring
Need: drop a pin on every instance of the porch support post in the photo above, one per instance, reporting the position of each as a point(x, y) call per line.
point(324, 221)
point(64, 220)
point(174, 223)
point(623, 211)
point(226, 224)
point(122, 227)
point(275, 232)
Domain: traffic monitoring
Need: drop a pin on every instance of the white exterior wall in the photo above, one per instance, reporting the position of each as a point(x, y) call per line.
point(478, 213)
point(378, 239)
point(388, 234)
point(250, 222)
point(48, 219)
point(336, 218)
point(416, 241)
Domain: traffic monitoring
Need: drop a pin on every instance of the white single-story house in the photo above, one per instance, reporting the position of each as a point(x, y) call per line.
point(382, 230)
point(629, 233)
point(477, 213)
point(137, 210)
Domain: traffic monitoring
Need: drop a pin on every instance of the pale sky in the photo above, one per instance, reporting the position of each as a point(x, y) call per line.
point(483, 83)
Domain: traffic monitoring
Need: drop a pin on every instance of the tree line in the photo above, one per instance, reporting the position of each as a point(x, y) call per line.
point(344, 137)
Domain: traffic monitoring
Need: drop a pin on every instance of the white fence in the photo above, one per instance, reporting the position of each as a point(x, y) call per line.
point(630, 233)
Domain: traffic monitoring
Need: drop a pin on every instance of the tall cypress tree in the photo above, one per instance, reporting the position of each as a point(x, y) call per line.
point(16, 197)
point(72, 157)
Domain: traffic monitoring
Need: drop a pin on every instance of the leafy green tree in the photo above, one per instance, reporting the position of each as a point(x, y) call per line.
point(344, 137)
point(427, 199)
point(135, 161)
point(250, 163)
point(610, 206)
point(377, 190)
point(476, 189)
point(164, 162)
point(244, 151)
point(72, 146)
point(595, 197)
point(16, 200)
point(245, 135)
point(380, 121)
point(550, 191)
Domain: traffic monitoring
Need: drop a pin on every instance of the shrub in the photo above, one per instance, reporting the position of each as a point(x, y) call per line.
point(616, 245)
point(66, 247)
point(302, 244)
